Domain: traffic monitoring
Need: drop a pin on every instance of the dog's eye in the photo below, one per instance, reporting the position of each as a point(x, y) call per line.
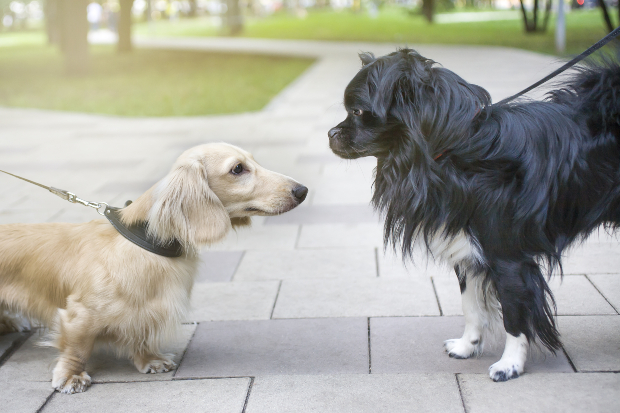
point(237, 169)
point(357, 112)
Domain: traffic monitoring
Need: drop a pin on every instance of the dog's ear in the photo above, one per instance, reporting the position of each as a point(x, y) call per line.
point(185, 208)
point(366, 58)
point(241, 222)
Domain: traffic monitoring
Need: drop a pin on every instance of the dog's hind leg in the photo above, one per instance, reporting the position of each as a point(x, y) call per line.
point(12, 323)
point(75, 341)
point(476, 317)
point(522, 292)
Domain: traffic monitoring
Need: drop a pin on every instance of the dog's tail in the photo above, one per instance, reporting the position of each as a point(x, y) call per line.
point(594, 93)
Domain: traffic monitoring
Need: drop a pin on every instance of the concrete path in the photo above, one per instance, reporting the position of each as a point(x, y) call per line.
point(302, 312)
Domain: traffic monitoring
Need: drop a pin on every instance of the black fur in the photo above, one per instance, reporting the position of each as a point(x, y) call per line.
point(524, 180)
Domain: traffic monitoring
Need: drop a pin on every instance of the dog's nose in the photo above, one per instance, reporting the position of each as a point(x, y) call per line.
point(300, 193)
point(333, 132)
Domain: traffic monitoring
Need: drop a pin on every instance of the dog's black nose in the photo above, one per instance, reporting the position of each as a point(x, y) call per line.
point(300, 193)
point(333, 132)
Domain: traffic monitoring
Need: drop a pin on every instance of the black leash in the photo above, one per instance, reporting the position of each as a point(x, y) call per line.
point(135, 233)
point(568, 65)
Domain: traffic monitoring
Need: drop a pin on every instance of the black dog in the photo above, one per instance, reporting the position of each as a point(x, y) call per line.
point(498, 191)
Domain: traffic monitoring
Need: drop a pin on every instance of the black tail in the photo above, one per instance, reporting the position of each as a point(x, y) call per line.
point(594, 93)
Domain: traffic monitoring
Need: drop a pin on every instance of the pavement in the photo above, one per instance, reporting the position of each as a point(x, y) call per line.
point(303, 312)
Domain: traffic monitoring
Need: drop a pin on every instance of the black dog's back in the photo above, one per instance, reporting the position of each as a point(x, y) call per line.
point(520, 181)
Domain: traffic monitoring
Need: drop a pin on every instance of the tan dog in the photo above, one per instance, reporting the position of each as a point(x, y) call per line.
point(90, 284)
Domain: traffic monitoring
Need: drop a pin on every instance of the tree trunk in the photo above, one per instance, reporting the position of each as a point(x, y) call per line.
point(234, 19)
point(192, 8)
point(525, 21)
point(124, 26)
point(608, 23)
point(548, 6)
point(74, 35)
point(428, 7)
point(52, 22)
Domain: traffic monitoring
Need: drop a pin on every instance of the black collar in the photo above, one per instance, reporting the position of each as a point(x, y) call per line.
point(137, 234)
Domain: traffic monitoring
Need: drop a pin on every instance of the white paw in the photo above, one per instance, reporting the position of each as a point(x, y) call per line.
point(13, 324)
point(158, 366)
point(506, 369)
point(73, 384)
point(460, 348)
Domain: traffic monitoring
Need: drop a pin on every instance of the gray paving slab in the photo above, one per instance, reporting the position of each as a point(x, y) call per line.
point(22, 397)
point(252, 348)
point(218, 266)
point(592, 342)
point(307, 263)
point(415, 345)
point(575, 295)
point(222, 396)
point(25, 216)
point(419, 264)
point(448, 294)
point(355, 394)
point(33, 363)
point(260, 237)
point(233, 301)
point(609, 286)
point(340, 235)
point(549, 393)
point(326, 214)
point(593, 257)
point(368, 297)
point(8, 342)
point(106, 367)
point(345, 183)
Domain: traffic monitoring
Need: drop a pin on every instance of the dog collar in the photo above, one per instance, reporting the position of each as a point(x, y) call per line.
point(137, 234)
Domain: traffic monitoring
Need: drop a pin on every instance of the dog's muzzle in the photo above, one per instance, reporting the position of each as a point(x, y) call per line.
point(339, 147)
point(300, 193)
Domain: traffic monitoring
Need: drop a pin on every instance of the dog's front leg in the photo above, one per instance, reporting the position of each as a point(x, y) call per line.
point(476, 318)
point(75, 342)
point(153, 362)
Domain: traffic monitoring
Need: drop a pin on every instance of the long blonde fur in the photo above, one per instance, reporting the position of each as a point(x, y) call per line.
point(90, 285)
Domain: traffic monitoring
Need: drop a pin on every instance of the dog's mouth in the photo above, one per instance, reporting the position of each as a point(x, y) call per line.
point(346, 150)
point(349, 153)
point(276, 210)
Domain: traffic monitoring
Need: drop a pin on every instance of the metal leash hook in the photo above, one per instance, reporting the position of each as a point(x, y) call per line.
point(97, 205)
point(66, 195)
point(74, 199)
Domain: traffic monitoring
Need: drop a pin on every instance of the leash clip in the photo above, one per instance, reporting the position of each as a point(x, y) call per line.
point(74, 199)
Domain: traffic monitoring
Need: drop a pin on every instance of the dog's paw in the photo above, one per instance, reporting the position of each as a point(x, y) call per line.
point(72, 384)
point(505, 369)
point(158, 366)
point(13, 324)
point(460, 348)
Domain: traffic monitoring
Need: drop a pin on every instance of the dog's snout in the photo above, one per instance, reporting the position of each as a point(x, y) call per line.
point(300, 193)
point(333, 133)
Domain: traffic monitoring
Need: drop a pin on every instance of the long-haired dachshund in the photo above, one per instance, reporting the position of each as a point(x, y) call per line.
point(497, 191)
point(91, 285)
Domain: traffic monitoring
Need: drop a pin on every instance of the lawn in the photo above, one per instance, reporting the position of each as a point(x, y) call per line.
point(584, 27)
point(142, 83)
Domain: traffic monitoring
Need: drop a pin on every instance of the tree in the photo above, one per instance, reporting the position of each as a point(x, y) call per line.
point(233, 19)
point(531, 25)
point(608, 23)
point(73, 29)
point(124, 26)
point(428, 9)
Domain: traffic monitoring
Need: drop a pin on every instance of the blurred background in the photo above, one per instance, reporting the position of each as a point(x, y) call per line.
point(79, 55)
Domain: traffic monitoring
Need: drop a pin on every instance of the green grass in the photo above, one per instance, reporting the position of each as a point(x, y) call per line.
point(144, 82)
point(584, 27)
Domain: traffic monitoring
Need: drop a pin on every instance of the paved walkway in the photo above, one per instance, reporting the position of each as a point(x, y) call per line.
point(302, 312)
